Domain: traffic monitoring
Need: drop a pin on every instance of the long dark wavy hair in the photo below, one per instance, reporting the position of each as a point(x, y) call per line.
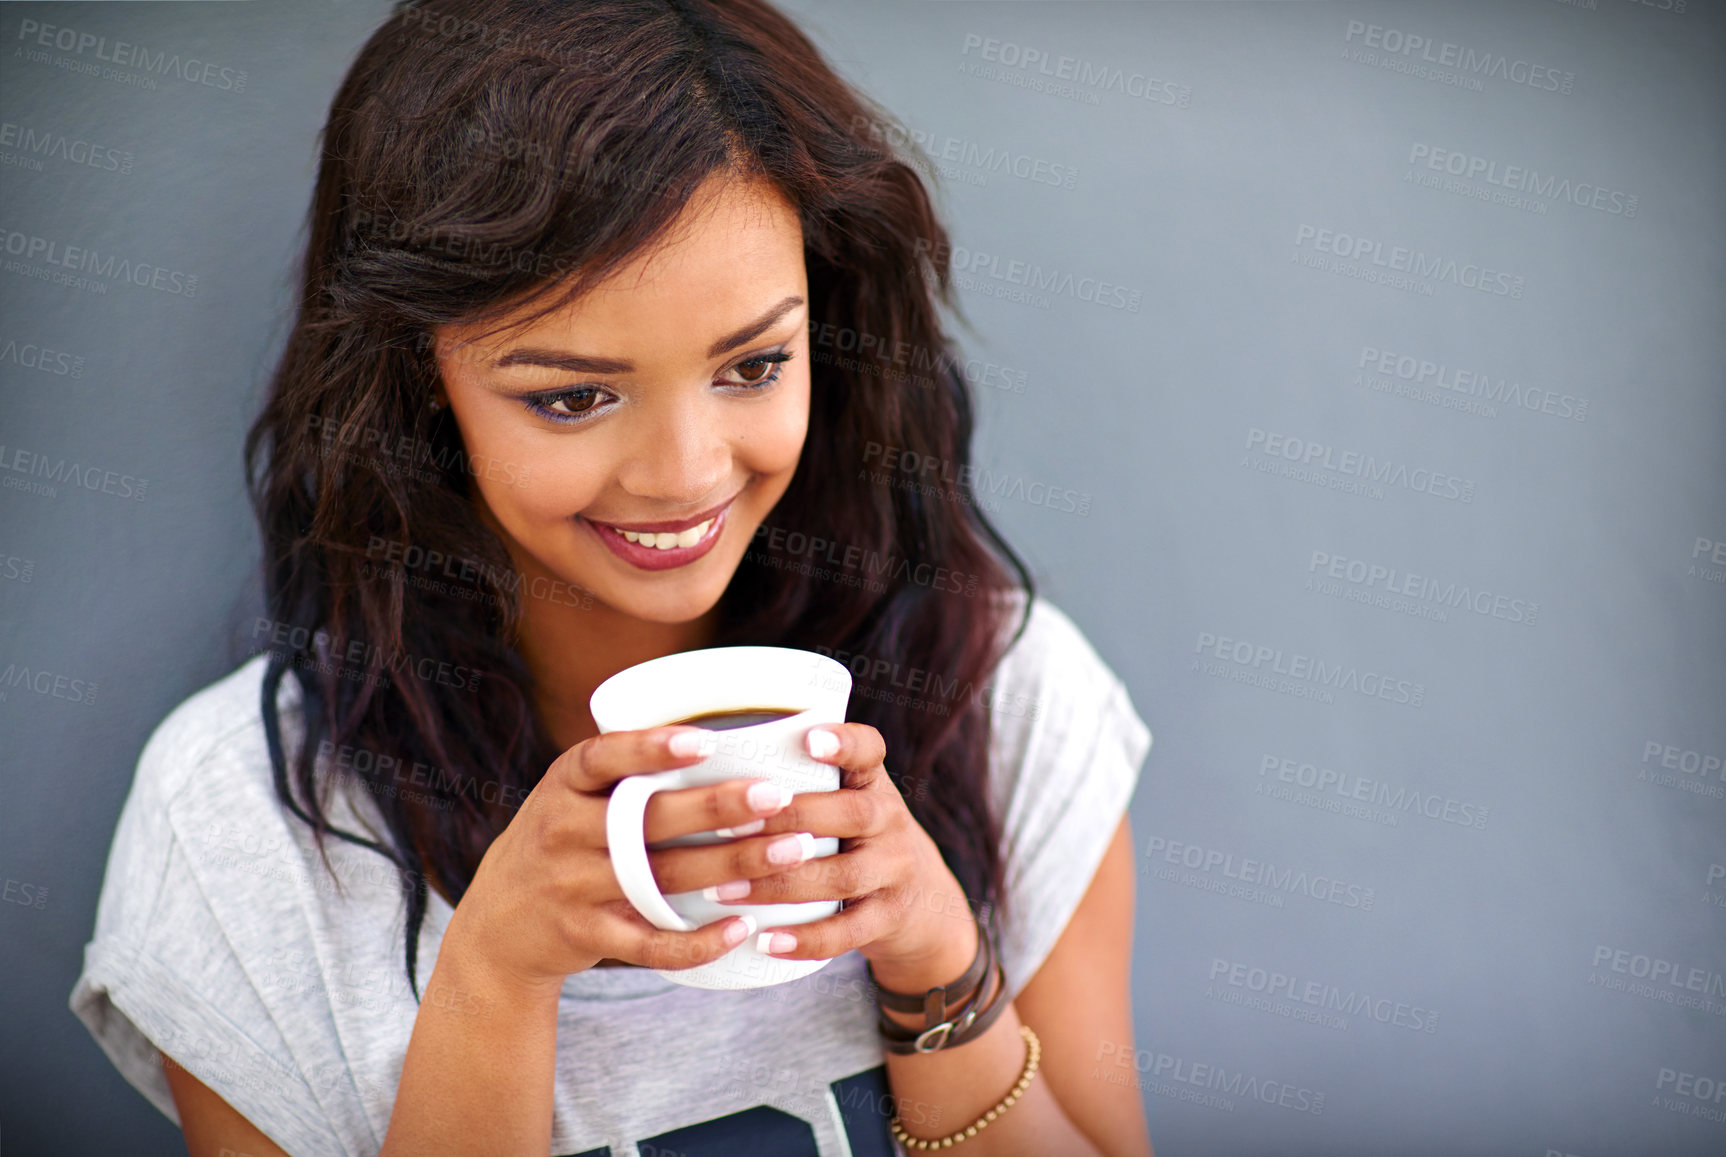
point(485, 154)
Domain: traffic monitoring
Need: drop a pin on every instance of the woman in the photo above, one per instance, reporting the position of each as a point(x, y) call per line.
point(551, 407)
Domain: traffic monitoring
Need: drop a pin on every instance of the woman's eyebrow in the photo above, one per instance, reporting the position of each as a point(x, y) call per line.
point(755, 328)
point(587, 364)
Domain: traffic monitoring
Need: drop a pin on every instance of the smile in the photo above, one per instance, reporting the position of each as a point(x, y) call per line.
point(665, 540)
point(663, 545)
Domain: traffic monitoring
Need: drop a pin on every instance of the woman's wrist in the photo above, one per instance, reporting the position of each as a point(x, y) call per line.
point(942, 966)
point(470, 971)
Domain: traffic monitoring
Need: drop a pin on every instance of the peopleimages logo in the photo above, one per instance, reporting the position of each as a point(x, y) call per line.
point(44, 682)
point(1656, 978)
point(1037, 69)
point(37, 145)
point(1695, 1095)
point(30, 247)
point(1251, 872)
point(39, 474)
point(1411, 47)
point(1308, 461)
point(948, 151)
point(1203, 1080)
point(1272, 985)
point(1456, 383)
point(129, 55)
point(1029, 280)
point(1517, 179)
point(1350, 794)
point(1257, 662)
point(1373, 256)
point(41, 358)
point(1695, 769)
point(1710, 551)
point(1419, 595)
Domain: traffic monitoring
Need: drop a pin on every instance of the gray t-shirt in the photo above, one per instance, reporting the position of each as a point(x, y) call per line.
point(222, 941)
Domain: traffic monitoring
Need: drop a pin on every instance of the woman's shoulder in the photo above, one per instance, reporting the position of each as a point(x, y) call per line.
point(204, 766)
point(1050, 670)
point(219, 726)
point(1062, 723)
point(1066, 748)
point(208, 925)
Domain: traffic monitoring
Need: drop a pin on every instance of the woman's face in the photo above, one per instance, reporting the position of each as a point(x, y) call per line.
point(635, 439)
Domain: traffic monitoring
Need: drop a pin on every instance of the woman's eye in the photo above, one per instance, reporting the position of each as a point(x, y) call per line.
point(578, 403)
point(759, 371)
point(571, 405)
point(572, 402)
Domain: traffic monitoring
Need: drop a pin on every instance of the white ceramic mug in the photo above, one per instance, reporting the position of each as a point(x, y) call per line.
point(717, 679)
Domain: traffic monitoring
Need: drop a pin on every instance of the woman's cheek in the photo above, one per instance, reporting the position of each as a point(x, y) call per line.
point(521, 487)
point(777, 443)
point(553, 495)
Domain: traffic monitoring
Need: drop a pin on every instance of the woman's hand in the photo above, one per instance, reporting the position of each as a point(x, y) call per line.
point(545, 901)
point(904, 910)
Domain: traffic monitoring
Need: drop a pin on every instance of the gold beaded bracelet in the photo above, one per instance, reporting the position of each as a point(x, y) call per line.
point(1033, 1055)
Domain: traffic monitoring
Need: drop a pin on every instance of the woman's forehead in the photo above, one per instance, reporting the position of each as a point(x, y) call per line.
point(730, 257)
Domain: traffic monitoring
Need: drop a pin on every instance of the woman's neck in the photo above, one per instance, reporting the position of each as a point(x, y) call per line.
point(572, 651)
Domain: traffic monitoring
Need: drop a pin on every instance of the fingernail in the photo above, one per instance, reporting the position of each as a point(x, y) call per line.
point(731, 890)
point(747, 829)
point(791, 849)
point(687, 742)
point(821, 743)
point(767, 797)
point(739, 930)
point(771, 942)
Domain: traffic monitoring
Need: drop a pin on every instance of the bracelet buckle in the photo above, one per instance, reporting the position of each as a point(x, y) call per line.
point(928, 1041)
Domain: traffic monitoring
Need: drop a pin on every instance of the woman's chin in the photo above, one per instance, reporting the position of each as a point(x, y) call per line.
point(689, 602)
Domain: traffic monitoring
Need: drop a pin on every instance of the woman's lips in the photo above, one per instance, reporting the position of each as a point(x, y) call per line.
point(652, 557)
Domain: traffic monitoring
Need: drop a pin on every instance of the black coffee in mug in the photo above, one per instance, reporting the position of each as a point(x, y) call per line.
point(734, 718)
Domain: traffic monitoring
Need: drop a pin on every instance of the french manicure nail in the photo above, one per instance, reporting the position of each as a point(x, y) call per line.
point(731, 890)
point(771, 942)
point(791, 849)
point(686, 742)
point(821, 743)
point(767, 797)
point(747, 829)
point(739, 930)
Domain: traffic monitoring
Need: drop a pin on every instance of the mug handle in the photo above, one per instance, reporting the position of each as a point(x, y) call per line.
point(626, 837)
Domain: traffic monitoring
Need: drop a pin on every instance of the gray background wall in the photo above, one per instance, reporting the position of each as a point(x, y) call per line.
point(1522, 806)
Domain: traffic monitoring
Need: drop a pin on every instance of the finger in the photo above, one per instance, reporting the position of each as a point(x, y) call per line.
point(853, 747)
point(856, 925)
point(593, 765)
point(851, 813)
point(638, 942)
point(847, 876)
point(737, 807)
point(695, 868)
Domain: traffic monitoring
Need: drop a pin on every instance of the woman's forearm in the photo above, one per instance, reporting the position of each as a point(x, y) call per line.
point(942, 1092)
point(480, 1064)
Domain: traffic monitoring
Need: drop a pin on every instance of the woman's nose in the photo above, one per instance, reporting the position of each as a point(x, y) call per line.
point(680, 459)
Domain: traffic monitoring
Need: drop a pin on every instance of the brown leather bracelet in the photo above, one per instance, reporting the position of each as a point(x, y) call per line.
point(961, 1026)
point(948, 1022)
point(949, 995)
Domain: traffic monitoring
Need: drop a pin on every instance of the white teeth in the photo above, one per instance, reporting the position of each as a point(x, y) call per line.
point(666, 540)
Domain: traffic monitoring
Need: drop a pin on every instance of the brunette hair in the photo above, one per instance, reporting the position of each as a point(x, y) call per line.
point(484, 154)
